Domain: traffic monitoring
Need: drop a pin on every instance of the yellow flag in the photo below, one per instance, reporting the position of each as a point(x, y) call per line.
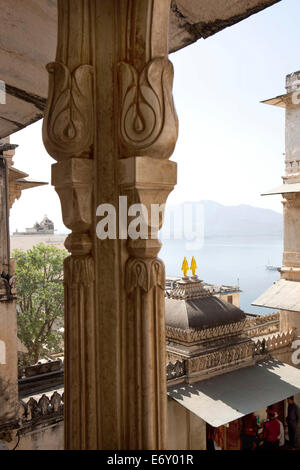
point(193, 266)
point(185, 266)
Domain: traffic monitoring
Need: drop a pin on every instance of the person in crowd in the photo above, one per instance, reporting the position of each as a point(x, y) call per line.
point(293, 419)
point(210, 438)
point(249, 432)
point(281, 436)
point(271, 432)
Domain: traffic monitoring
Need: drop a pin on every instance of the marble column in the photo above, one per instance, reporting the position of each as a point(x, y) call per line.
point(111, 126)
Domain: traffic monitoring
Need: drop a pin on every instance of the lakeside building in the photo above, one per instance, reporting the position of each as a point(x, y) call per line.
point(45, 227)
point(43, 232)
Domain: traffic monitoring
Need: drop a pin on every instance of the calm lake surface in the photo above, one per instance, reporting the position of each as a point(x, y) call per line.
point(230, 261)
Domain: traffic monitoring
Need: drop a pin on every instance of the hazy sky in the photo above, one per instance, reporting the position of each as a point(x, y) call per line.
point(230, 146)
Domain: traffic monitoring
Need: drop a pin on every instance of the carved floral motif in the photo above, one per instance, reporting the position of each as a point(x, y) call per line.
point(68, 124)
point(148, 122)
point(145, 274)
point(79, 270)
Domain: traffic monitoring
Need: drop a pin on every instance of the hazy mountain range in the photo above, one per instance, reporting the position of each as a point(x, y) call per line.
point(213, 219)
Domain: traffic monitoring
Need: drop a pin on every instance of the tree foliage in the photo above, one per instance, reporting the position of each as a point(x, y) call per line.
point(40, 300)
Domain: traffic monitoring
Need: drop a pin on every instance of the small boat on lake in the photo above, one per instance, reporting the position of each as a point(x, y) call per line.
point(272, 268)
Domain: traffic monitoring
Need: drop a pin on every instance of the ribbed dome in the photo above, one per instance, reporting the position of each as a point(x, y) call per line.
point(190, 306)
point(204, 312)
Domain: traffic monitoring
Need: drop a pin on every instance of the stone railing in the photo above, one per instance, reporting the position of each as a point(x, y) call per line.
point(31, 413)
point(229, 356)
point(262, 319)
point(44, 407)
point(40, 368)
point(206, 334)
point(41, 377)
point(262, 325)
point(175, 370)
point(278, 341)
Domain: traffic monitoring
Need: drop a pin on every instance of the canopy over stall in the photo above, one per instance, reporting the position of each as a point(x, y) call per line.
point(231, 396)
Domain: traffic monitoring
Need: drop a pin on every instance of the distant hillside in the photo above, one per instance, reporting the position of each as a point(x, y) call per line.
point(224, 221)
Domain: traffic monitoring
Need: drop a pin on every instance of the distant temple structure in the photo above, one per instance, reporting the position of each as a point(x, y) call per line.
point(45, 227)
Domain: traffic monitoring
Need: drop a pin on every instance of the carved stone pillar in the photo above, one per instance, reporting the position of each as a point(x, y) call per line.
point(111, 126)
point(291, 255)
point(290, 269)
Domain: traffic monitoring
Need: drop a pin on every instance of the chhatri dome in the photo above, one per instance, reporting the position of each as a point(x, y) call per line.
point(191, 306)
point(203, 331)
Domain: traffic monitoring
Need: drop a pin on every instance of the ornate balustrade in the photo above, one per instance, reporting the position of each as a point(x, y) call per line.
point(262, 325)
point(45, 406)
point(46, 411)
point(262, 319)
point(278, 341)
point(179, 369)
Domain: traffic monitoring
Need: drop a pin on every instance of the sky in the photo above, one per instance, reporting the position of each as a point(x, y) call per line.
point(230, 147)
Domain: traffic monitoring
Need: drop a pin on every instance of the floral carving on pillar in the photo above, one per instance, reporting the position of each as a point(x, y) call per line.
point(69, 111)
point(148, 123)
point(144, 274)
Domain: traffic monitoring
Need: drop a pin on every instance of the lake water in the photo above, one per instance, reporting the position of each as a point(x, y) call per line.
point(230, 261)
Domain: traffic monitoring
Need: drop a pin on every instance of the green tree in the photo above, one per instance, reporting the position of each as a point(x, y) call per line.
point(40, 292)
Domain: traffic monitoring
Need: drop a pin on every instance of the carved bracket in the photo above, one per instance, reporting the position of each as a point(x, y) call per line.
point(73, 181)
